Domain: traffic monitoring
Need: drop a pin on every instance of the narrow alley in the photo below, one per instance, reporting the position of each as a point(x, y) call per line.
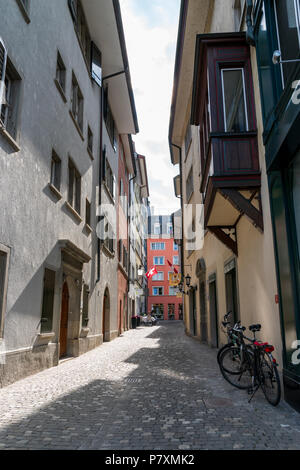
point(145, 390)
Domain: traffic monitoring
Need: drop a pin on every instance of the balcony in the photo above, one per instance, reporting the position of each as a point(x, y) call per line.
point(223, 108)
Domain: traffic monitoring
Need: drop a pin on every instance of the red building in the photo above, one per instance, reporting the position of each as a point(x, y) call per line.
point(162, 298)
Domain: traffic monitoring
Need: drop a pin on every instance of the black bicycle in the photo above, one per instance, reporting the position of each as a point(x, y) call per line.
point(250, 366)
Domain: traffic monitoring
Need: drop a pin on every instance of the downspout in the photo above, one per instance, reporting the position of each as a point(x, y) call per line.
point(129, 223)
point(100, 166)
point(181, 204)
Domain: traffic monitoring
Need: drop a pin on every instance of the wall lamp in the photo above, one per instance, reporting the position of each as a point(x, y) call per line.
point(277, 56)
point(188, 280)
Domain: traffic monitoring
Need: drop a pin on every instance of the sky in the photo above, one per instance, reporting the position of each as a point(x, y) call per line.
point(151, 28)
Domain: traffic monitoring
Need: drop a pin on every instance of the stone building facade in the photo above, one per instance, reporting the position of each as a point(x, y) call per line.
point(67, 104)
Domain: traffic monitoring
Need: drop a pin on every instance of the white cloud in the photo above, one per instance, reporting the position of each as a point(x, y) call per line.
point(150, 36)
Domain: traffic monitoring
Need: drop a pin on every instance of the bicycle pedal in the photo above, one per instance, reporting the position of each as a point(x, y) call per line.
point(250, 391)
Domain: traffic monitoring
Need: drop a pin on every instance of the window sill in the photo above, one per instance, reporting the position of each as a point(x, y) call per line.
point(73, 211)
point(44, 338)
point(108, 192)
point(55, 191)
point(9, 139)
point(23, 11)
point(61, 91)
point(77, 126)
point(88, 228)
point(107, 252)
point(122, 269)
point(90, 153)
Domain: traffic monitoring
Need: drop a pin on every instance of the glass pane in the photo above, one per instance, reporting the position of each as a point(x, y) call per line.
point(234, 101)
point(288, 34)
point(295, 191)
point(264, 55)
point(284, 267)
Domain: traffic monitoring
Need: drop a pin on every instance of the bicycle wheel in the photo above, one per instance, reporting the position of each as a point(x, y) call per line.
point(269, 379)
point(235, 369)
point(220, 352)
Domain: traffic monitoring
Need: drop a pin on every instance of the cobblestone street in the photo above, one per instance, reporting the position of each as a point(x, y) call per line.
point(152, 388)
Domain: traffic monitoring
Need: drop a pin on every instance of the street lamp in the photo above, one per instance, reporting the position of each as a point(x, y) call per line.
point(188, 280)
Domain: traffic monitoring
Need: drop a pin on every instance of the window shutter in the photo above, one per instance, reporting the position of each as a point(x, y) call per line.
point(96, 60)
point(73, 9)
point(3, 59)
point(104, 164)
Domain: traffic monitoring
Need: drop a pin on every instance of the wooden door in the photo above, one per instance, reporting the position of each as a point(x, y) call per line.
point(64, 320)
point(203, 318)
point(231, 295)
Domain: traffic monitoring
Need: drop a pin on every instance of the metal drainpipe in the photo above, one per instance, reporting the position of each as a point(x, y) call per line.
point(181, 204)
point(129, 239)
point(101, 163)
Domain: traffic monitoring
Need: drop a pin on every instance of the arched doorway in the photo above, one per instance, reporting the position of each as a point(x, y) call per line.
point(64, 320)
point(106, 315)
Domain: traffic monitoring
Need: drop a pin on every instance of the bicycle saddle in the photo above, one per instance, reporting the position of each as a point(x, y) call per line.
point(255, 327)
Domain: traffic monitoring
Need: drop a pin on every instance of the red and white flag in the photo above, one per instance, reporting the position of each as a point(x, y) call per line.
point(171, 266)
point(151, 273)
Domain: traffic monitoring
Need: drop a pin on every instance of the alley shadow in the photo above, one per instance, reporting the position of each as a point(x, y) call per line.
point(174, 396)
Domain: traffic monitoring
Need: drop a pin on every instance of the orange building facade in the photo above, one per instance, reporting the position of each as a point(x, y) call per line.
point(162, 298)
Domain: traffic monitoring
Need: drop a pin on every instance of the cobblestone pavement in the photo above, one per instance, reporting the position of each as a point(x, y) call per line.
point(152, 388)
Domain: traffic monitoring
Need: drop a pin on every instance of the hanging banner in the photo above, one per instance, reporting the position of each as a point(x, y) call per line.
point(174, 279)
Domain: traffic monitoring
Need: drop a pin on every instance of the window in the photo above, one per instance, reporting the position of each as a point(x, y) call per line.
point(288, 30)
point(61, 72)
point(77, 103)
point(189, 185)
point(74, 193)
point(109, 179)
point(173, 291)
point(48, 301)
point(159, 260)
point(120, 250)
point(123, 197)
point(175, 247)
point(10, 83)
point(109, 122)
point(187, 139)
point(157, 228)
point(4, 259)
point(238, 12)
point(158, 311)
point(234, 103)
point(264, 56)
point(81, 28)
point(157, 291)
point(171, 311)
point(109, 237)
point(90, 140)
point(88, 212)
point(176, 260)
point(125, 258)
point(158, 277)
point(55, 171)
point(158, 246)
point(169, 228)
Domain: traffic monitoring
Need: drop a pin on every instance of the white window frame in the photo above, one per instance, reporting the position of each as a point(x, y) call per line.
point(297, 14)
point(176, 264)
point(158, 287)
point(160, 276)
point(223, 95)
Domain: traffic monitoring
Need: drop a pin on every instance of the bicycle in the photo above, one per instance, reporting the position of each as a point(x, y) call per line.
point(255, 361)
point(228, 331)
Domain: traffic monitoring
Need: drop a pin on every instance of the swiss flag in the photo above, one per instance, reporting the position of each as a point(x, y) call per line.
point(151, 273)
